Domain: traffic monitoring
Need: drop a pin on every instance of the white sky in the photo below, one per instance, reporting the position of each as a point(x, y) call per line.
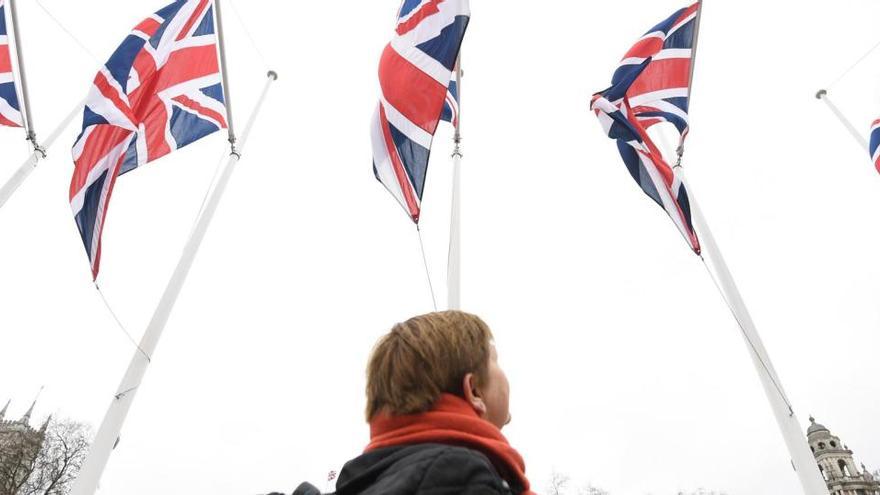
point(627, 369)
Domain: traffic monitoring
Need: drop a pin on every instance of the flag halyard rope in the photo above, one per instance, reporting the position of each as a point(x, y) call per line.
point(247, 33)
point(746, 336)
point(427, 270)
point(119, 323)
point(68, 32)
point(854, 65)
point(718, 285)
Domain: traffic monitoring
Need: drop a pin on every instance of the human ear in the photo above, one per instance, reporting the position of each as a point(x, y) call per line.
point(472, 394)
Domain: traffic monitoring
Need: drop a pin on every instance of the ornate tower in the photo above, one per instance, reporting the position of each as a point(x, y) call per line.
point(19, 446)
point(837, 464)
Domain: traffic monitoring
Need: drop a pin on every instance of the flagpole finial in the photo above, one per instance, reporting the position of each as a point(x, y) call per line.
point(272, 74)
point(821, 93)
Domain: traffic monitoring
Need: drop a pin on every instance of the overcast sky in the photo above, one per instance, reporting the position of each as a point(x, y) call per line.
point(626, 367)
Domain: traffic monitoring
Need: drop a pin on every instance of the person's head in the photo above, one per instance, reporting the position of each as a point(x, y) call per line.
point(446, 352)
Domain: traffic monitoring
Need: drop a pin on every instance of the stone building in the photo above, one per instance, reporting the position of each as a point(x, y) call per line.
point(837, 464)
point(19, 446)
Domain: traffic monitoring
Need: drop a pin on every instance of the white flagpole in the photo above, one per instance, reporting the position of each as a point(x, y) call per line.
point(39, 153)
point(453, 266)
point(26, 102)
point(221, 42)
point(795, 439)
point(858, 136)
point(111, 426)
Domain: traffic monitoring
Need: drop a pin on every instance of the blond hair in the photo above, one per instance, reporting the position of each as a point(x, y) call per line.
point(424, 357)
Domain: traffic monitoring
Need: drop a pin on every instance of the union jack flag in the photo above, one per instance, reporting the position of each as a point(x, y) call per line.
point(875, 144)
point(416, 73)
point(10, 112)
point(651, 86)
point(161, 90)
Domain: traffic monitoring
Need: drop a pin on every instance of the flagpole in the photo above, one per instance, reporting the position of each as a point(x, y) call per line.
point(28, 119)
point(453, 266)
point(801, 456)
point(221, 43)
point(39, 153)
point(108, 434)
point(859, 137)
point(697, 20)
point(696, 43)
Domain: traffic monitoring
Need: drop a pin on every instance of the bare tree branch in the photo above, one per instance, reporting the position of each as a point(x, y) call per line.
point(34, 464)
point(558, 482)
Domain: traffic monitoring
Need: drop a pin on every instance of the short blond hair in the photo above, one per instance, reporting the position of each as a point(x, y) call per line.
point(424, 357)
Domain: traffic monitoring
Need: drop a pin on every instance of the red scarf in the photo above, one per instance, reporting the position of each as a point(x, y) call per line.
point(452, 421)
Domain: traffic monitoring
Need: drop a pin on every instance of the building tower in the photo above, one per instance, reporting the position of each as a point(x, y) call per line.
point(837, 464)
point(19, 446)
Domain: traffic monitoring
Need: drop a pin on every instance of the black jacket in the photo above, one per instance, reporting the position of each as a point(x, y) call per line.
point(423, 469)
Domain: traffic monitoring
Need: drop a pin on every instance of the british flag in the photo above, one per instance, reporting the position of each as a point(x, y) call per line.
point(652, 86)
point(10, 112)
point(875, 144)
point(161, 90)
point(416, 73)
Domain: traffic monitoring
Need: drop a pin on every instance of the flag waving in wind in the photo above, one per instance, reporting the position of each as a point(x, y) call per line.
point(651, 86)
point(416, 73)
point(10, 112)
point(161, 90)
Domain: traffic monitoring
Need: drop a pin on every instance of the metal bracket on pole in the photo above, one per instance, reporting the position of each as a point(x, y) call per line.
point(37, 148)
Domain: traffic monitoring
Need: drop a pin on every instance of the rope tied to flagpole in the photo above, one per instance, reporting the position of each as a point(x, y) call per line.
point(745, 334)
point(678, 168)
point(247, 32)
point(68, 32)
point(427, 270)
point(120, 325)
point(854, 65)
